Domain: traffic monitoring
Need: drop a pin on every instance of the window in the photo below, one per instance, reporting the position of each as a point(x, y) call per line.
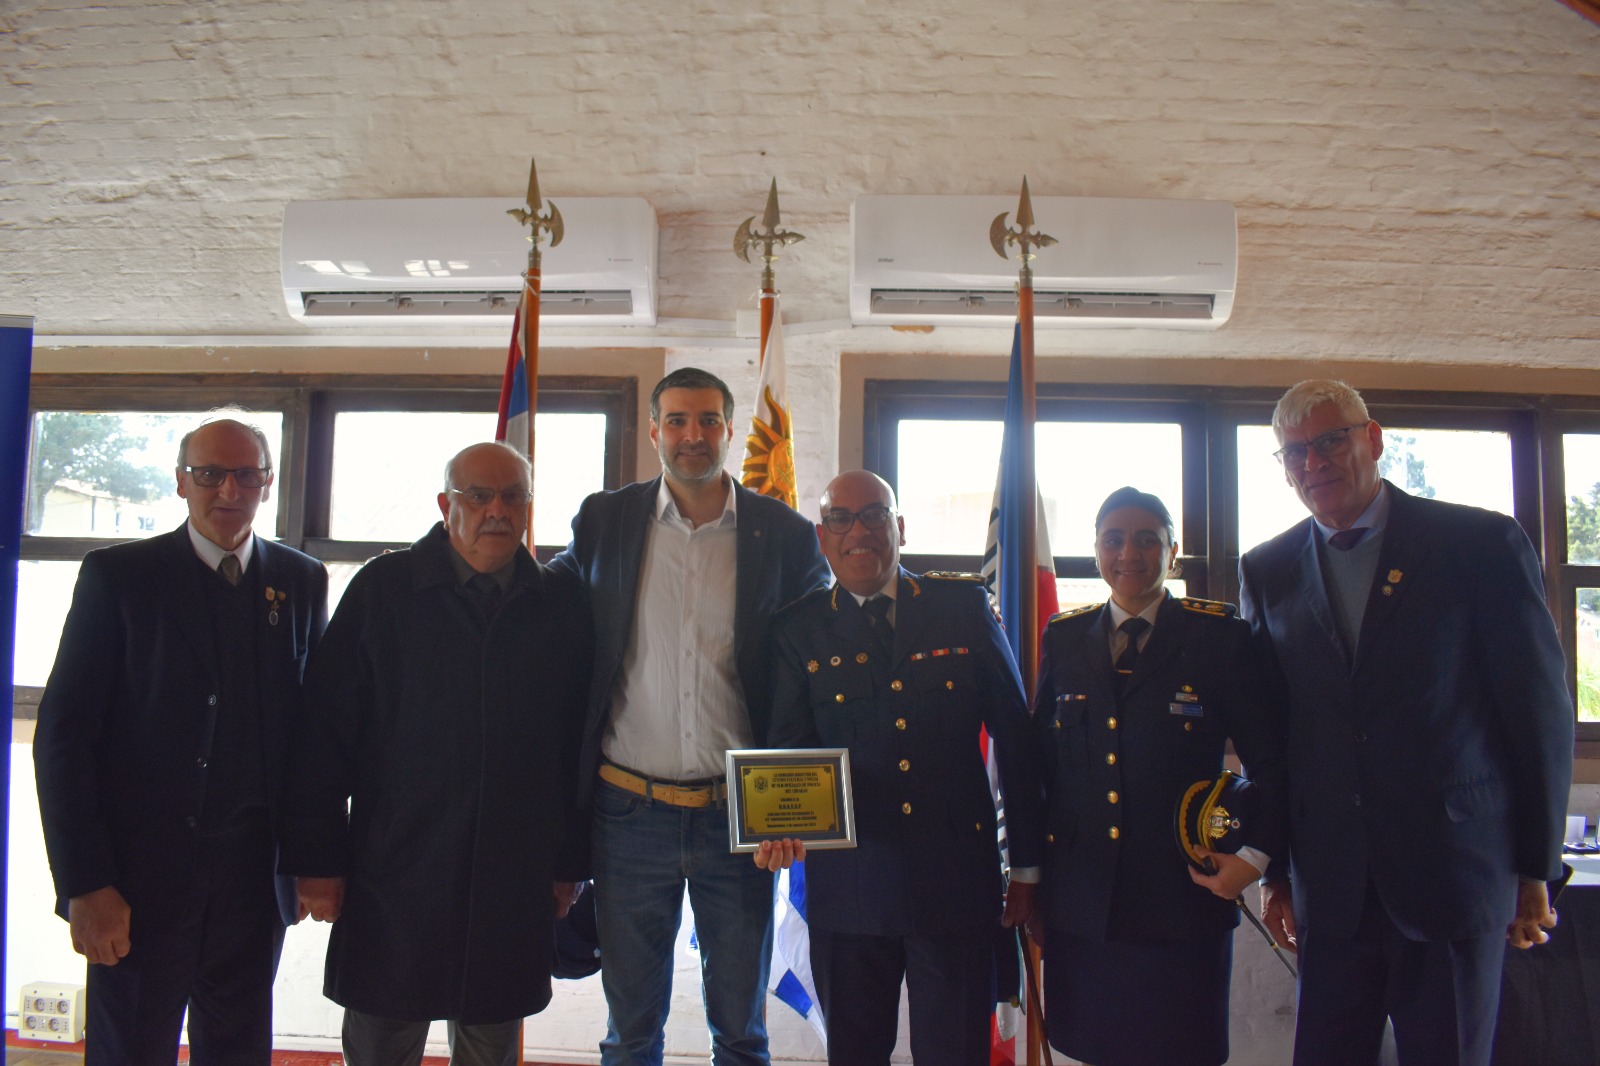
point(1208, 453)
point(358, 468)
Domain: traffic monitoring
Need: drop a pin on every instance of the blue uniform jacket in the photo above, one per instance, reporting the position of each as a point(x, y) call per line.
point(927, 862)
point(1114, 775)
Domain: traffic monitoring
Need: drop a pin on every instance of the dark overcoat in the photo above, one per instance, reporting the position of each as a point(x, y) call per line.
point(454, 741)
point(124, 739)
point(926, 861)
point(1114, 774)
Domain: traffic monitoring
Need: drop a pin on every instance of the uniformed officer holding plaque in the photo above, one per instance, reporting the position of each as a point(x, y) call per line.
point(902, 670)
point(1136, 700)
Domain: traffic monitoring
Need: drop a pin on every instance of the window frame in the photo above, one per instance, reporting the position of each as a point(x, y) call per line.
point(1210, 417)
point(308, 404)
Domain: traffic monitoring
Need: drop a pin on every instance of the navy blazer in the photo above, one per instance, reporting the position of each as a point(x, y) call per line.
point(126, 719)
point(926, 862)
point(1115, 773)
point(778, 561)
point(1437, 761)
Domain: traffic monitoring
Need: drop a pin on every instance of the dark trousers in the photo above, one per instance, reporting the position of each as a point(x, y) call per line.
point(215, 956)
point(1443, 996)
point(373, 1041)
point(948, 980)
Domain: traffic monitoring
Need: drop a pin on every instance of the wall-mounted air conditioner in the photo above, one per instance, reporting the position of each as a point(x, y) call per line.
point(379, 262)
point(927, 260)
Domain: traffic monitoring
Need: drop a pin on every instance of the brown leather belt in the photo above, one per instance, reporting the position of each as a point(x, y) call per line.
point(668, 792)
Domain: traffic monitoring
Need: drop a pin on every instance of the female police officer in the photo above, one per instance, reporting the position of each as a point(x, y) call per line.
point(1135, 701)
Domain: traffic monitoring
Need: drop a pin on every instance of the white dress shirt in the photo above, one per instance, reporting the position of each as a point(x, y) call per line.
point(677, 706)
point(211, 554)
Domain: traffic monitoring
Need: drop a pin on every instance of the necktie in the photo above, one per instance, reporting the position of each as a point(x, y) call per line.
point(485, 592)
point(877, 608)
point(1134, 628)
point(229, 568)
point(1345, 539)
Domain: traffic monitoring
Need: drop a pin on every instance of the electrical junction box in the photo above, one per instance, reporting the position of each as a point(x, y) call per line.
point(51, 1012)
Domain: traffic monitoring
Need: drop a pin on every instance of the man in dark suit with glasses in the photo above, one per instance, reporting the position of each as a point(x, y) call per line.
point(1430, 745)
point(159, 752)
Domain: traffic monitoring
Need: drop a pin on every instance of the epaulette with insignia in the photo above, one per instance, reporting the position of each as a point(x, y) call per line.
point(1215, 608)
point(820, 590)
point(1085, 609)
point(954, 575)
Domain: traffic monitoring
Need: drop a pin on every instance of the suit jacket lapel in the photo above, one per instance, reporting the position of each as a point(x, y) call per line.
point(1314, 591)
point(635, 521)
point(750, 557)
point(1165, 640)
point(1397, 564)
point(910, 619)
point(186, 600)
point(1094, 655)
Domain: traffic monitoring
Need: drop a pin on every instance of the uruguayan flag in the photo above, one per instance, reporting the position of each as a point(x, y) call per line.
point(791, 979)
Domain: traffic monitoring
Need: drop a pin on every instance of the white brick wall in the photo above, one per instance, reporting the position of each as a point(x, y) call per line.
point(1416, 179)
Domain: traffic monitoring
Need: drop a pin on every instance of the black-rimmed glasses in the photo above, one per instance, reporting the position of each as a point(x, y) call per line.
point(246, 477)
point(1327, 445)
point(839, 522)
point(480, 498)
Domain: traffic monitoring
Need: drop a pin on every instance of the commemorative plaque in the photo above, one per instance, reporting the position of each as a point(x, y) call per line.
point(790, 794)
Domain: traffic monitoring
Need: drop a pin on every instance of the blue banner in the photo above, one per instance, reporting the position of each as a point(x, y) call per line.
point(16, 359)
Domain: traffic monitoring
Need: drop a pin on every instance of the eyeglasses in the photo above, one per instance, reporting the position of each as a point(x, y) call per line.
point(246, 477)
point(839, 522)
point(480, 498)
point(1326, 445)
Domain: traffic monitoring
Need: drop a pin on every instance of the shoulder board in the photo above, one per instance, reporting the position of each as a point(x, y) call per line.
point(954, 575)
point(1075, 612)
point(820, 590)
point(1215, 608)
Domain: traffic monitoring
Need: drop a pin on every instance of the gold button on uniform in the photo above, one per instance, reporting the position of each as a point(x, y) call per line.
point(1049, 838)
point(1114, 832)
point(1111, 723)
point(950, 684)
point(861, 656)
point(1188, 727)
point(1111, 756)
point(905, 765)
point(905, 808)
point(1112, 797)
point(900, 724)
point(896, 685)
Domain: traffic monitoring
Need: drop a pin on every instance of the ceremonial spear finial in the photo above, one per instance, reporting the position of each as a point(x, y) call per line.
point(773, 237)
point(1001, 235)
point(538, 225)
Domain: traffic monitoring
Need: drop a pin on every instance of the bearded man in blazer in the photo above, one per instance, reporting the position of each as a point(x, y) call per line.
point(158, 755)
point(1430, 745)
point(683, 574)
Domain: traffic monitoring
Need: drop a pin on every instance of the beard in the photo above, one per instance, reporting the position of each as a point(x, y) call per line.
point(714, 454)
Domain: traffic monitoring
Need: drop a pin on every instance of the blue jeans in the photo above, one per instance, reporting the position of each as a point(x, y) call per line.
point(643, 854)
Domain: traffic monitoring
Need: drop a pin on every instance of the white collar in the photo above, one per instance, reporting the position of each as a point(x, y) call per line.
point(211, 553)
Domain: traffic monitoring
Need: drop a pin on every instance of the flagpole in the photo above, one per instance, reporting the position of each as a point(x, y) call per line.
point(770, 239)
point(528, 303)
point(1026, 237)
point(768, 466)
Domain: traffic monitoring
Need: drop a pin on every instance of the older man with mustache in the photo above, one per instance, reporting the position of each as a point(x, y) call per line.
point(446, 714)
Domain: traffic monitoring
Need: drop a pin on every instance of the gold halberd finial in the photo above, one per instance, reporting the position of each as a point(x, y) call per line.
point(538, 224)
point(746, 239)
point(1000, 235)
